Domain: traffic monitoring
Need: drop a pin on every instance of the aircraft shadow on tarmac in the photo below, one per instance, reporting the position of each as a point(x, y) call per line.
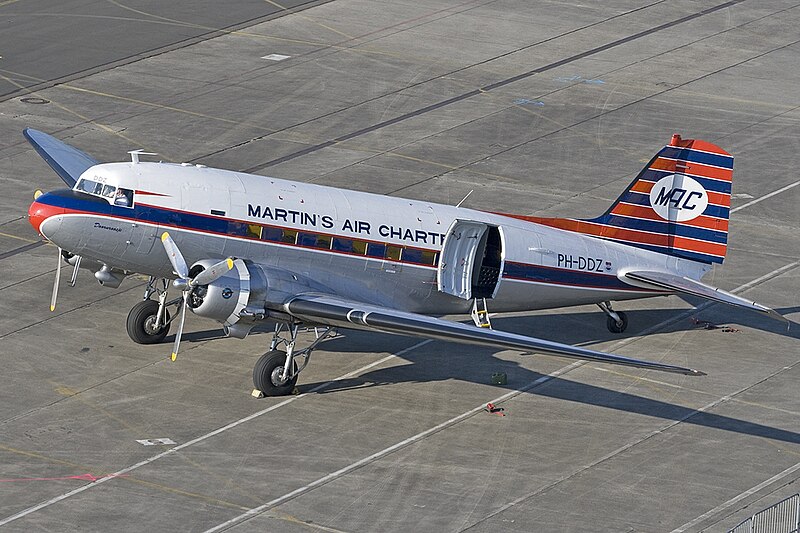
point(449, 361)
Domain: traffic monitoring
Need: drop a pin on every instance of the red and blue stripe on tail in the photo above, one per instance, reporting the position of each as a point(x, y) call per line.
point(678, 204)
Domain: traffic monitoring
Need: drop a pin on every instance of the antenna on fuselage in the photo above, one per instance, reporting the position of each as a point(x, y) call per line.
point(136, 153)
point(465, 198)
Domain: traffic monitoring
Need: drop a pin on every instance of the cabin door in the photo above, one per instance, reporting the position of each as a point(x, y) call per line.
point(471, 260)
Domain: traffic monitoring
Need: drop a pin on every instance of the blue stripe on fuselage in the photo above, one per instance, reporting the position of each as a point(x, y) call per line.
point(561, 276)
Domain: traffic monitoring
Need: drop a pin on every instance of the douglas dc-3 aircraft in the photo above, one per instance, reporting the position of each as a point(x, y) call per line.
point(297, 254)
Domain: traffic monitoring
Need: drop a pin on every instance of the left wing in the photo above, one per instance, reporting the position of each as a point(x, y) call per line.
point(338, 312)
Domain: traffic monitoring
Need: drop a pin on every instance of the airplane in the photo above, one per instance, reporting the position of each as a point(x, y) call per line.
point(246, 249)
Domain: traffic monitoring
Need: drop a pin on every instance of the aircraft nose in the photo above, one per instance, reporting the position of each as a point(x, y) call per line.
point(40, 211)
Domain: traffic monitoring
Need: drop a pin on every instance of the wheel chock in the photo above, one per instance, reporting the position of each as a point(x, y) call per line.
point(257, 394)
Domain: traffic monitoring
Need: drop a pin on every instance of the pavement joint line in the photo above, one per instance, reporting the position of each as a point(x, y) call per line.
point(644, 438)
point(21, 249)
point(391, 449)
point(201, 438)
point(770, 195)
point(737, 499)
point(386, 451)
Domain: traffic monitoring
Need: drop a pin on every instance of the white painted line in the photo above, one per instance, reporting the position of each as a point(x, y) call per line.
point(770, 195)
point(239, 422)
point(737, 499)
point(276, 57)
point(153, 442)
point(386, 451)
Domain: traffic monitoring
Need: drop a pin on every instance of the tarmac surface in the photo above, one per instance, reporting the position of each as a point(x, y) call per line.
point(540, 108)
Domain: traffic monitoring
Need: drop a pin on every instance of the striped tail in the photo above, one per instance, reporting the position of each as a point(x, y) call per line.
point(678, 204)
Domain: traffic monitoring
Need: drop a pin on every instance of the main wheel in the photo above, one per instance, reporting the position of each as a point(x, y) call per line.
point(267, 374)
point(612, 325)
point(141, 323)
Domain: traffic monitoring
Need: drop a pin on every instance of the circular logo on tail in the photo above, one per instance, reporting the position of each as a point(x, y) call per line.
point(678, 198)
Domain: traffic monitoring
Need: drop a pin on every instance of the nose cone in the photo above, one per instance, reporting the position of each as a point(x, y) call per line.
point(40, 211)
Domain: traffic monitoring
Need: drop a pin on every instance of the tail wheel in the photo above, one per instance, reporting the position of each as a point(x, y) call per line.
point(141, 323)
point(614, 327)
point(268, 372)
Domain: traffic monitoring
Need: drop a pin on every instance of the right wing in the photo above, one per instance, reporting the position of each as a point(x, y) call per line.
point(68, 162)
point(674, 282)
point(334, 311)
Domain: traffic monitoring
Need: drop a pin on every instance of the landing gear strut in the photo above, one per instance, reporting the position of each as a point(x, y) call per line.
point(617, 321)
point(148, 321)
point(275, 372)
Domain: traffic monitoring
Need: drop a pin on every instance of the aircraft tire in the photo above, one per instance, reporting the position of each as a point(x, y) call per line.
point(138, 324)
point(612, 325)
point(265, 374)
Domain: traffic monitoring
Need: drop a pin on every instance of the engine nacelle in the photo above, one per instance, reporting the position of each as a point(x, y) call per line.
point(224, 299)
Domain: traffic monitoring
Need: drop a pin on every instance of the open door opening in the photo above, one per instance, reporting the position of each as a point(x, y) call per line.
point(471, 260)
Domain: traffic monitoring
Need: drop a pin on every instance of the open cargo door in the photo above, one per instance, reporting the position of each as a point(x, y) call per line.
point(471, 260)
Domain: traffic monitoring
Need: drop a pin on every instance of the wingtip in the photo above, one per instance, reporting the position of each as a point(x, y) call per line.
point(174, 356)
point(164, 236)
point(693, 372)
point(229, 262)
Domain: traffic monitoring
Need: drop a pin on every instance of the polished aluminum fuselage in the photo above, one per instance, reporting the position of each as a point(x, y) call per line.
point(543, 267)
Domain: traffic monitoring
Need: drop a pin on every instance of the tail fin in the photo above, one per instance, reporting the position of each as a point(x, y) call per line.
point(678, 204)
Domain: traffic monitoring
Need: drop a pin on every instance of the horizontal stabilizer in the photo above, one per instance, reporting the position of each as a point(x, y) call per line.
point(338, 312)
point(685, 285)
point(68, 162)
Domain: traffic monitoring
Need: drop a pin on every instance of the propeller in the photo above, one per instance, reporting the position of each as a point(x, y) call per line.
point(187, 284)
point(54, 296)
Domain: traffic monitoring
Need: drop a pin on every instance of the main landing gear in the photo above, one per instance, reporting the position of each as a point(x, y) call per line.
point(275, 373)
point(617, 321)
point(148, 321)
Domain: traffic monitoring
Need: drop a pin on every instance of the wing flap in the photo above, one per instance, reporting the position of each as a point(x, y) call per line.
point(686, 285)
point(333, 311)
point(68, 162)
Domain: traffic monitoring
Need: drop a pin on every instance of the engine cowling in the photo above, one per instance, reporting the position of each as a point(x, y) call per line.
point(224, 299)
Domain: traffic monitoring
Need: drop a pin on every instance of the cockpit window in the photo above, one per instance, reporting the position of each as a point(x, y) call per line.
point(123, 197)
point(115, 195)
point(90, 186)
point(108, 191)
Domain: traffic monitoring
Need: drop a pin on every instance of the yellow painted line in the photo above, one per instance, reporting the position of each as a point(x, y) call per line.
point(17, 237)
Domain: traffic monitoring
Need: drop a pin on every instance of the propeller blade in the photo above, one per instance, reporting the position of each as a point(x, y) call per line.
point(55, 283)
point(212, 273)
point(180, 326)
point(75, 272)
point(175, 256)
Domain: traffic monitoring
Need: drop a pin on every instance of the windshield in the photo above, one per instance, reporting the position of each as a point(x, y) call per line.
point(115, 195)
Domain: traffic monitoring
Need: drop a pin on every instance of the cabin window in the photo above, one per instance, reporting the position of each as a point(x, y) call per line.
point(254, 231)
point(422, 257)
point(272, 234)
point(349, 246)
point(376, 249)
point(314, 240)
point(323, 241)
point(306, 239)
point(393, 252)
point(289, 236)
